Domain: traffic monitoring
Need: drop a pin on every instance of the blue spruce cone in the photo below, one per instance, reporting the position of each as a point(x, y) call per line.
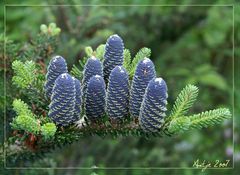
point(117, 93)
point(62, 106)
point(153, 107)
point(95, 98)
point(78, 103)
point(145, 72)
point(91, 68)
point(56, 67)
point(113, 55)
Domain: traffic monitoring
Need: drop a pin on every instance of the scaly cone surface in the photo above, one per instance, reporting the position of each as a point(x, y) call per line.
point(145, 72)
point(95, 98)
point(117, 93)
point(91, 68)
point(113, 55)
point(153, 108)
point(56, 67)
point(62, 106)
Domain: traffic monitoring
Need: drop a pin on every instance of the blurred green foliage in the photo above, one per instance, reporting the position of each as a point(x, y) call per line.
point(189, 44)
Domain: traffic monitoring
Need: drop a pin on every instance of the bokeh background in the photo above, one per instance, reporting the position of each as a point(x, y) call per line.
point(190, 44)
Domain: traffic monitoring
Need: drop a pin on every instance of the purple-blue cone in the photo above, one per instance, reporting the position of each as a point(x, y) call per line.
point(62, 106)
point(145, 72)
point(95, 98)
point(113, 55)
point(78, 102)
point(117, 93)
point(153, 107)
point(91, 68)
point(56, 67)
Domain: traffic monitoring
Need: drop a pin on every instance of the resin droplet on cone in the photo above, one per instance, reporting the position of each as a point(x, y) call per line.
point(113, 55)
point(117, 93)
point(153, 107)
point(56, 67)
point(62, 106)
point(145, 72)
point(95, 98)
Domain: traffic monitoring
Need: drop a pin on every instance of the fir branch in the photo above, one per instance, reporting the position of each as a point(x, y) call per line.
point(25, 73)
point(179, 125)
point(21, 108)
point(29, 79)
point(48, 130)
point(16, 150)
point(42, 46)
point(184, 101)
point(77, 71)
point(209, 118)
point(26, 123)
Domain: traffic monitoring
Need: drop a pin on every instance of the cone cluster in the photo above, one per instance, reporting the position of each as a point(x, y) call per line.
point(146, 100)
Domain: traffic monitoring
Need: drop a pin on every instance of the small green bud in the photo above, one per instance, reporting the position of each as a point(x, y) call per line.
point(43, 28)
point(89, 51)
point(52, 26)
point(56, 31)
point(48, 130)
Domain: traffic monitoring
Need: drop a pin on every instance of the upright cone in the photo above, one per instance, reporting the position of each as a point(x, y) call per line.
point(95, 98)
point(153, 107)
point(117, 93)
point(145, 72)
point(91, 68)
point(113, 54)
point(57, 66)
point(62, 106)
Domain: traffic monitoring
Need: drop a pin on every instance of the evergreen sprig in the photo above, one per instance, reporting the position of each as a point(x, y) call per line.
point(28, 122)
point(25, 73)
point(127, 60)
point(25, 119)
point(48, 130)
point(209, 118)
point(199, 121)
point(184, 101)
point(29, 81)
point(180, 124)
point(21, 108)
